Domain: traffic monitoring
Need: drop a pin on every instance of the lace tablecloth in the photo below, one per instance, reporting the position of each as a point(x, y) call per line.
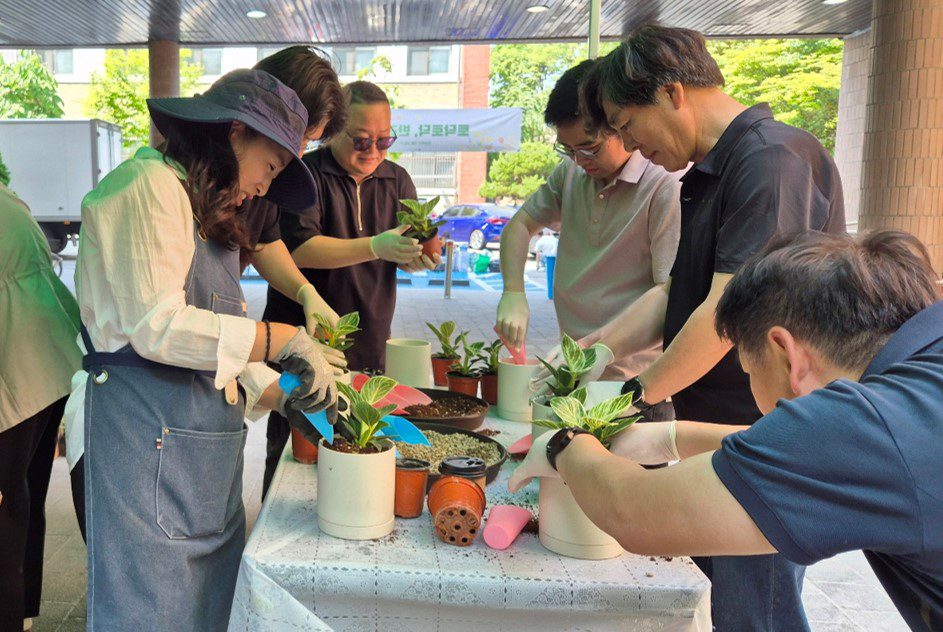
point(293, 577)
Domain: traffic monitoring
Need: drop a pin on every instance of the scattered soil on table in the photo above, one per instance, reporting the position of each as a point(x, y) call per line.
point(342, 445)
point(488, 432)
point(532, 526)
point(446, 407)
point(666, 558)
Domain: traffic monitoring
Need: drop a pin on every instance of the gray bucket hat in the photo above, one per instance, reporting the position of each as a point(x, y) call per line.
point(263, 103)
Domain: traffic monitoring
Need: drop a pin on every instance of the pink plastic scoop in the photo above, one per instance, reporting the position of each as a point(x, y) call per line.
point(505, 522)
point(401, 395)
point(518, 356)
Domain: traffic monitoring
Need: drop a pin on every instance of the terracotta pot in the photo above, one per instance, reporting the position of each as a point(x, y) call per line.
point(440, 366)
point(513, 390)
point(408, 361)
point(489, 388)
point(463, 384)
point(411, 477)
point(566, 530)
point(355, 493)
point(457, 506)
point(432, 245)
point(303, 450)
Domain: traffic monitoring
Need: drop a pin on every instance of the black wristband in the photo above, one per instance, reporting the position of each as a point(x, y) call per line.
point(560, 440)
point(635, 387)
point(268, 339)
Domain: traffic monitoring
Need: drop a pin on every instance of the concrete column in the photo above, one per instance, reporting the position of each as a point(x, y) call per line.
point(472, 167)
point(849, 132)
point(902, 168)
point(164, 72)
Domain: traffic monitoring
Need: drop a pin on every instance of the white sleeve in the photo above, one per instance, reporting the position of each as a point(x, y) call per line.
point(255, 378)
point(145, 240)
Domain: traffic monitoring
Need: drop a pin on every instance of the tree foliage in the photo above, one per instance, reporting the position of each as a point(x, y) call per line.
point(799, 78)
point(517, 175)
point(119, 95)
point(28, 89)
point(4, 173)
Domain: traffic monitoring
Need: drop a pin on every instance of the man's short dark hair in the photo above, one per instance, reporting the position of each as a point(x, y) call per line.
point(844, 296)
point(651, 57)
point(307, 71)
point(365, 93)
point(563, 105)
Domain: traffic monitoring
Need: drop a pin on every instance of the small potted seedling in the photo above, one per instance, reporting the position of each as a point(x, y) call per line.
point(421, 227)
point(335, 337)
point(564, 378)
point(357, 472)
point(463, 374)
point(563, 526)
point(489, 371)
point(442, 360)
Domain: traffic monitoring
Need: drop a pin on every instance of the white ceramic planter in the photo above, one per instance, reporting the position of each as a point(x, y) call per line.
point(543, 411)
point(409, 361)
point(565, 529)
point(355, 493)
point(513, 390)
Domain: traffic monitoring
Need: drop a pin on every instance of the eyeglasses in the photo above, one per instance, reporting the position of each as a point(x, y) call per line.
point(364, 144)
point(588, 154)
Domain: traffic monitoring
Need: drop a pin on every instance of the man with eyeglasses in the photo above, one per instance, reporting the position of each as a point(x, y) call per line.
point(618, 216)
point(350, 244)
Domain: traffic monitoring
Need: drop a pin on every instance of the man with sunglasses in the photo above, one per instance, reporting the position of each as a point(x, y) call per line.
point(350, 244)
point(618, 216)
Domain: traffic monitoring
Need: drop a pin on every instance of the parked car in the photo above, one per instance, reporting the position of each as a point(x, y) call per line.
point(478, 224)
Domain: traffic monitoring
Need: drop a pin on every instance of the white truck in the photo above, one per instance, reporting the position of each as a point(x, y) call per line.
point(53, 163)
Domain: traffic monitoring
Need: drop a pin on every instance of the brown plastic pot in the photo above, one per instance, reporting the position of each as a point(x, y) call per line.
point(489, 388)
point(432, 245)
point(303, 450)
point(457, 506)
point(411, 477)
point(440, 366)
point(462, 384)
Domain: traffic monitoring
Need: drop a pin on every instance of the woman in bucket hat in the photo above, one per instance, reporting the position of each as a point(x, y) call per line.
point(173, 364)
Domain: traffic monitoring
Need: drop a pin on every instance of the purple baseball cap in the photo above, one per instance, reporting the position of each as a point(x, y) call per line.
point(265, 104)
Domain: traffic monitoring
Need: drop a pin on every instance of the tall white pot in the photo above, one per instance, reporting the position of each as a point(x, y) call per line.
point(565, 529)
point(513, 390)
point(355, 493)
point(409, 361)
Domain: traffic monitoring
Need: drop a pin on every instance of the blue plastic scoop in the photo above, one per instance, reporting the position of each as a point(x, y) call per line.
point(403, 430)
point(288, 382)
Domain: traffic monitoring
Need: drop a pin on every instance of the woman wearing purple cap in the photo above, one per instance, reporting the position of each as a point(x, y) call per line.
point(173, 364)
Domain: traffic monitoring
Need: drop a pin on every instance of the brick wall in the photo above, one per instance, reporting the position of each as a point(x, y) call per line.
point(473, 93)
point(849, 133)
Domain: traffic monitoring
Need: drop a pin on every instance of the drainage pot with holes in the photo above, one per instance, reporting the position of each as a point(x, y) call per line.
point(457, 506)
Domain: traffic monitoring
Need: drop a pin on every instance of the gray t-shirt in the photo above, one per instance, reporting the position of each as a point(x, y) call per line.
point(617, 241)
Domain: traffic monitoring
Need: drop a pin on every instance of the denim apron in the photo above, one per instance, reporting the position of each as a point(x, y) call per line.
point(163, 474)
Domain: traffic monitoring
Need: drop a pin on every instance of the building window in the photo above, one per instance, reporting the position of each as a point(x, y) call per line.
point(428, 60)
point(432, 170)
point(59, 61)
point(347, 61)
point(210, 58)
point(265, 51)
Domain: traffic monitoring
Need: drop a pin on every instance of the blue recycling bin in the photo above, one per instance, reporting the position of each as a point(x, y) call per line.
point(551, 263)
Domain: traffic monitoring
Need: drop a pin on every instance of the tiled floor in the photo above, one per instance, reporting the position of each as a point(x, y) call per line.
point(841, 594)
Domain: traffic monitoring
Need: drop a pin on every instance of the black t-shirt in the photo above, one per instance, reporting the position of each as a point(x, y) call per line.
point(760, 179)
point(347, 211)
point(261, 220)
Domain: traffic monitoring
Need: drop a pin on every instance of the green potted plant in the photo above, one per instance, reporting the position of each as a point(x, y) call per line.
point(442, 360)
point(564, 378)
point(463, 375)
point(563, 527)
point(421, 227)
point(489, 371)
point(335, 337)
point(357, 472)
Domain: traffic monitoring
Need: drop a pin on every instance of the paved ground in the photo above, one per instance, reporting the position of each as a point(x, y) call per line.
point(841, 594)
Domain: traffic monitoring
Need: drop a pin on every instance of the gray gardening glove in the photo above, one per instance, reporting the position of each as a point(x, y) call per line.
point(302, 357)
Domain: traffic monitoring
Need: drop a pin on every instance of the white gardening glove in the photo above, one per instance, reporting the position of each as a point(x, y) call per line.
point(302, 357)
point(513, 314)
point(534, 464)
point(651, 443)
point(390, 245)
point(334, 357)
point(424, 262)
point(254, 379)
point(312, 303)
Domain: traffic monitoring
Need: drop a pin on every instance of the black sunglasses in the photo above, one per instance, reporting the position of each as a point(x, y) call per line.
point(364, 144)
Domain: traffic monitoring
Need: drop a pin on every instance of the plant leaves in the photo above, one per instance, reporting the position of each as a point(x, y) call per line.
point(547, 423)
point(572, 353)
point(347, 391)
point(386, 410)
point(568, 409)
point(579, 394)
point(611, 408)
point(376, 388)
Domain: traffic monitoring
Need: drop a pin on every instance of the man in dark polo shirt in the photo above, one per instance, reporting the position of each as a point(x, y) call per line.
point(752, 178)
point(350, 244)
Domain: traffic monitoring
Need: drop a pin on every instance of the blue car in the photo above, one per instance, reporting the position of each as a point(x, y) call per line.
point(478, 224)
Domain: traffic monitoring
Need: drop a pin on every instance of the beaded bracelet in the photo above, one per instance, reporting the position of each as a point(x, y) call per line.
point(268, 339)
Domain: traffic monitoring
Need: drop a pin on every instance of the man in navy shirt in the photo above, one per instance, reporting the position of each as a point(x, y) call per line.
point(843, 343)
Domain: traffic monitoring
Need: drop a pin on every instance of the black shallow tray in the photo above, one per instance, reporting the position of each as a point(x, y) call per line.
point(465, 422)
point(490, 474)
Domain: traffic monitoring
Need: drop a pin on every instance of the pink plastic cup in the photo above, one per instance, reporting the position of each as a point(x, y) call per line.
point(504, 524)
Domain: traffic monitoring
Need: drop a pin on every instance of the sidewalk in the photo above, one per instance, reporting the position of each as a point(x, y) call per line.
point(841, 594)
